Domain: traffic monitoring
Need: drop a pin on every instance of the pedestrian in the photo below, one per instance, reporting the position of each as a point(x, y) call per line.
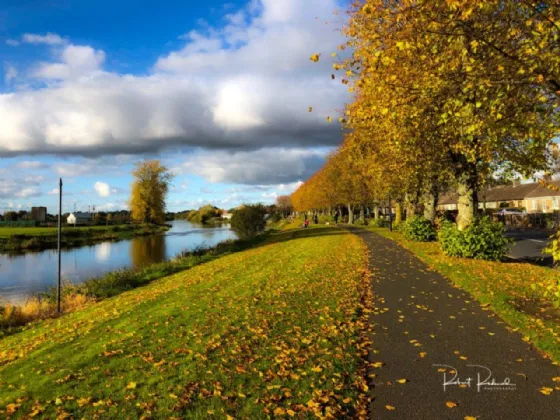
point(316, 219)
point(336, 217)
point(306, 222)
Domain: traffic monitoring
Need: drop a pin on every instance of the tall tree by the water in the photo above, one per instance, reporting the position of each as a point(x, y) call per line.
point(149, 191)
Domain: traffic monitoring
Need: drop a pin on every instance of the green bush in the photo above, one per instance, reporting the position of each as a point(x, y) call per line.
point(249, 221)
point(326, 218)
point(379, 223)
point(361, 222)
point(482, 240)
point(418, 229)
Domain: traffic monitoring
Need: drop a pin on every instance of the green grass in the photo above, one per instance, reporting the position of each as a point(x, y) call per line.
point(278, 328)
point(29, 238)
point(520, 293)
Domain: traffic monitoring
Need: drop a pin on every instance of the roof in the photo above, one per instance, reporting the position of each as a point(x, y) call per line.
point(507, 193)
point(80, 215)
point(542, 191)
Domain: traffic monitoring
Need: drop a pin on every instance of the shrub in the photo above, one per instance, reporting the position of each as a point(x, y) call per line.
point(379, 223)
point(326, 218)
point(249, 221)
point(419, 229)
point(361, 222)
point(482, 240)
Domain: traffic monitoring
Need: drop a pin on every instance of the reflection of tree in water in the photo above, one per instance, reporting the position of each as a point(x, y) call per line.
point(147, 250)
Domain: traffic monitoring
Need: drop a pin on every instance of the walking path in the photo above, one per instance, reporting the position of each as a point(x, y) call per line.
point(420, 321)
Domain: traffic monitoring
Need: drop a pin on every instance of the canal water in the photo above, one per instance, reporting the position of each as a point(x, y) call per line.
point(23, 275)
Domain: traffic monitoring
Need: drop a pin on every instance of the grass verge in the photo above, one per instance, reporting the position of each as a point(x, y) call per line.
point(13, 240)
point(520, 293)
point(279, 329)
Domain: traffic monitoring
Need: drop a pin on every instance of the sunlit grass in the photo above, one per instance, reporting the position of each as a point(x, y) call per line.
point(277, 329)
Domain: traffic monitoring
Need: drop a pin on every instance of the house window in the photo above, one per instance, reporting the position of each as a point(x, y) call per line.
point(535, 205)
point(556, 203)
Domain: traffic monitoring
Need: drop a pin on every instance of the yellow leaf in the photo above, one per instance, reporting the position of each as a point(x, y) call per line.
point(173, 396)
point(279, 411)
point(470, 418)
point(402, 381)
point(451, 404)
point(58, 401)
point(317, 369)
point(131, 385)
point(556, 379)
point(315, 58)
point(390, 407)
point(310, 109)
point(329, 119)
point(545, 390)
point(291, 413)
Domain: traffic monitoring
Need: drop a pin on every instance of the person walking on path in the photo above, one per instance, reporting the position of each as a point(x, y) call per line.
point(336, 217)
point(306, 223)
point(437, 354)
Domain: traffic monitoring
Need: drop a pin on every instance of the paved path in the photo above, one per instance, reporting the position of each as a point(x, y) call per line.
point(422, 320)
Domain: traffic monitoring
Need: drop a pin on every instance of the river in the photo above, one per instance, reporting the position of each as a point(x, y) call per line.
point(33, 272)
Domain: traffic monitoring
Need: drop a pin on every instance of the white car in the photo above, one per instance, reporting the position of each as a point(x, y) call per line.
point(511, 211)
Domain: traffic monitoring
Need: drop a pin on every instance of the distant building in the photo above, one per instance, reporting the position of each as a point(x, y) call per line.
point(226, 215)
point(39, 214)
point(532, 197)
point(79, 218)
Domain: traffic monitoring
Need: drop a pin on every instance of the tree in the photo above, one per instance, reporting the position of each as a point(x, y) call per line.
point(149, 191)
point(248, 221)
point(284, 204)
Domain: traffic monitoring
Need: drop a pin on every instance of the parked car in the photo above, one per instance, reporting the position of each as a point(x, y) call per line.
point(511, 211)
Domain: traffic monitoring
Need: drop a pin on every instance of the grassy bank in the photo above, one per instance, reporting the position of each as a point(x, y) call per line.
point(44, 305)
point(274, 330)
point(520, 293)
point(22, 239)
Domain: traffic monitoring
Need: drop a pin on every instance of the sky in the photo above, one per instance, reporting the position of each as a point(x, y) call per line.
point(218, 91)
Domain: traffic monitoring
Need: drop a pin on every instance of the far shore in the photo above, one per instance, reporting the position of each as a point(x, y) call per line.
point(17, 240)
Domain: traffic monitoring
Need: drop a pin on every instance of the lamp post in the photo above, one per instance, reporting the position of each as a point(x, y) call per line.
point(59, 238)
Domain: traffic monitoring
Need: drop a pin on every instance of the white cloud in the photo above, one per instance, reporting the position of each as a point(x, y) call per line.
point(267, 166)
point(12, 42)
point(31, 164)
point(245, 85)
point(10, 73)
point(27, 192)
point(48, 38)
point(76, 61)
point(102, 189)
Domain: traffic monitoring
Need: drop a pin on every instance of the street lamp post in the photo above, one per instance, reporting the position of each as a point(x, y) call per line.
point(59, 238)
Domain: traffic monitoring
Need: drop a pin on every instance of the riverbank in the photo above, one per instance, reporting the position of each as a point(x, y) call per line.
point(14, 240)
point(277, 329)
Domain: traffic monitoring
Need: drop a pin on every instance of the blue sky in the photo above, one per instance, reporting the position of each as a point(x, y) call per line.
point(218, 91)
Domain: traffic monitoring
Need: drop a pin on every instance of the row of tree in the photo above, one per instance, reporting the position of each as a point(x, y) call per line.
point(446, 93)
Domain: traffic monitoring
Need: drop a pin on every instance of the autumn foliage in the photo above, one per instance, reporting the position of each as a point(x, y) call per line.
point(446, 92)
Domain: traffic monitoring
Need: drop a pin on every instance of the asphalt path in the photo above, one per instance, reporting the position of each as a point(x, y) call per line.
point(457, 359)
point(529, 246)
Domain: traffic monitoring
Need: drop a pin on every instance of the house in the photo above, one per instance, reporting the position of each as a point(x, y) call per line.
point(532, 197)
point(226, 215)
point(79, 218)
point(39, 214)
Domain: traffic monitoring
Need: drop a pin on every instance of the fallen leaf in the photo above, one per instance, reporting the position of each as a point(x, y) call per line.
point(451, 404)
point(390, 407)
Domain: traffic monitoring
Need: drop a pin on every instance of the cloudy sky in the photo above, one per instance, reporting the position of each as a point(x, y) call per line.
point(218, 91)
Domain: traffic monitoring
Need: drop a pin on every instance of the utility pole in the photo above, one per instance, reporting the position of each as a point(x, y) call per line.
point(59, 238)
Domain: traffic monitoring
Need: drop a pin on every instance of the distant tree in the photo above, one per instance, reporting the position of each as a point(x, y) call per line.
point(284, 204)
point(10, 216)
point(248, 221)
point(149, 190)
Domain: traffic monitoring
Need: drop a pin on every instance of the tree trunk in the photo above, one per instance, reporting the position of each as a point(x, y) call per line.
point(362, 213)
point(350, 214)
point(411, 201)
point(398, 212)
point(376, 212)
point(468, 199)
point(430, 202)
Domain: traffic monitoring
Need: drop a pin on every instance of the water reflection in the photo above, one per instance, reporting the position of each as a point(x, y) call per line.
point(102, 252)
point(147, 250)
point(21, 275)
